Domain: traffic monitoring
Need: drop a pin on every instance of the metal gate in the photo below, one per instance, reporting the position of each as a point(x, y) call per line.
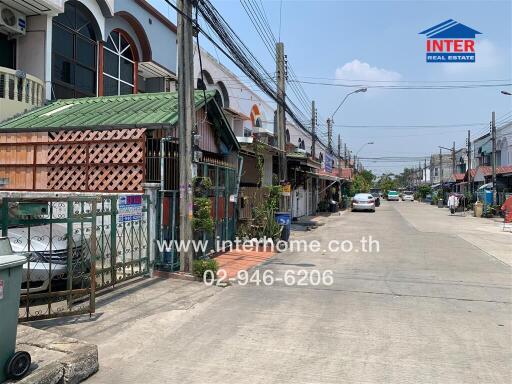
point(75, 246)
point(224, 180)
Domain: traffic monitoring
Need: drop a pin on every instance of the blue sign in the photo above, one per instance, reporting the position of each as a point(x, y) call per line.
point(328, 163)
point(450, 42)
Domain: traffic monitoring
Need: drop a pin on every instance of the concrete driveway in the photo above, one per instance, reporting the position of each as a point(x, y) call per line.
point(430, 307)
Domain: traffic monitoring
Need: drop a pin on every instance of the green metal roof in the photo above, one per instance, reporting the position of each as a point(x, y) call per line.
point(145, 110)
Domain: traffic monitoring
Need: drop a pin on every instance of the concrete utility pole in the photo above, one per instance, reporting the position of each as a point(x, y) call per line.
point(440, 166)
point(453, 158)
point(281, 114)
point(186, 123)
point(345, 157)
point(329, 135)
point(468, 153)
point(425, 169)
point(493, 157)
point(339, 155)
point(313, 129)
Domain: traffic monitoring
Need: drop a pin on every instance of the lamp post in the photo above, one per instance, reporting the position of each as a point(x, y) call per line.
point(360, 149)
point(344, 99)
point(364, 145)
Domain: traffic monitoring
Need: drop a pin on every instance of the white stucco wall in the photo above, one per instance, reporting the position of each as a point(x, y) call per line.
point(241, 97)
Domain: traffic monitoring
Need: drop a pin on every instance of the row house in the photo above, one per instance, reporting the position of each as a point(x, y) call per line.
point(460, 180)
point(72, 49)
point(253, 120)
point(88, 105)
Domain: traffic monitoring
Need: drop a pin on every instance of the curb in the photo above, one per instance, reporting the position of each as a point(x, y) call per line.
point(73, 361)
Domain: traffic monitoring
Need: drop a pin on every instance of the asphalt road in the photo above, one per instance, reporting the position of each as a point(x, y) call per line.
point(429, 307)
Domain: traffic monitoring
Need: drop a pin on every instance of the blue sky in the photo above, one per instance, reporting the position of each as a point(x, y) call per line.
point(378, 41)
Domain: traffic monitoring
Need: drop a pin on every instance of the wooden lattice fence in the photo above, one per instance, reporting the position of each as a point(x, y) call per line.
point(99, 161)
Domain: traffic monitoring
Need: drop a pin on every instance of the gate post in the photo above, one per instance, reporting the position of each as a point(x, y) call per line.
point(151, 191)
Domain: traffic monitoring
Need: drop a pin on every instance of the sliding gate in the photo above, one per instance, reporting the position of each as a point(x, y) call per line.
point(74, 246)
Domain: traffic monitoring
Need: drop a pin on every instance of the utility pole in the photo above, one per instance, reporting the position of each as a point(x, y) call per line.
point(281, 115)
point(186, 124)
point(329, 135)
point(493, 157)
point(425, 167)
point(339, 155)
point(313, 129)
point(419, 175)
point(468, 153)
point(453, 158)
point(440, 166)
point(345, 157)
point(281, 121)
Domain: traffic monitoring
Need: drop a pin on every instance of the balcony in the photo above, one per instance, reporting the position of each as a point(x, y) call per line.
point(19, 92)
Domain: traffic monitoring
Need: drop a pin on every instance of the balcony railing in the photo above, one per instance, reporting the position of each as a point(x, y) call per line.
point(25, 89)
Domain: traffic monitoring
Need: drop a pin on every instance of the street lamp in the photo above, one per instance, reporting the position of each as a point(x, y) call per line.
point(364, 145)
point(345, 98)
point(359, 150)
point(506, 93)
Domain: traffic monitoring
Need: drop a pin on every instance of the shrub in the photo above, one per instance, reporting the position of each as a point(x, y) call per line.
point(202, 220)
point(199, 267)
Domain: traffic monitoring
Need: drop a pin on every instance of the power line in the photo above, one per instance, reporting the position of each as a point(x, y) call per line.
point(404, 87)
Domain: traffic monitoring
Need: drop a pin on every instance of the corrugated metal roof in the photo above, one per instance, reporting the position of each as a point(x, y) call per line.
point(105, 112)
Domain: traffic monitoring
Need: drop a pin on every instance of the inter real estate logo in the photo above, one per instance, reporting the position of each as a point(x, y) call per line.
point(450, 42)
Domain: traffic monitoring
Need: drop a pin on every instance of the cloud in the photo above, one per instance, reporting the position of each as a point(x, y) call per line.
point(487, 58)
point(358, 70)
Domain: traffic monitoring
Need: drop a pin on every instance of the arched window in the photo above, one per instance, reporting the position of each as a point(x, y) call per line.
point(118, 65)
point(224, 93)
point(74, 60)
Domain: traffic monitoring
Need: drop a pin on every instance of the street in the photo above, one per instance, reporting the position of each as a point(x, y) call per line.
point(430, 307)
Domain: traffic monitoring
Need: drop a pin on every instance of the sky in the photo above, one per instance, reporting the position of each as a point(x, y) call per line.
point(378, 43)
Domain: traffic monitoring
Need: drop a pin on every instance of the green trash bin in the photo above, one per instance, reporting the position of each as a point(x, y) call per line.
point(12, 365)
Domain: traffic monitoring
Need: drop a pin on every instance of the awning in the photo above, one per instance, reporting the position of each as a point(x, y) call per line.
point(150, 69)
point(328, 177)
point(236, 114)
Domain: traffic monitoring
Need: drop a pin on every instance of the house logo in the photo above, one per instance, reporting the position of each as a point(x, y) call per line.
point(450, 42)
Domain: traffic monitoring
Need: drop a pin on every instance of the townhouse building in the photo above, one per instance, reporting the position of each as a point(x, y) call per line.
point(61, 49)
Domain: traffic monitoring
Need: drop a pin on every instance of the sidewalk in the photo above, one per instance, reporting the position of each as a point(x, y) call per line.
point(236, 260)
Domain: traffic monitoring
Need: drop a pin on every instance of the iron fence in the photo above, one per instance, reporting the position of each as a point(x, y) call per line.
point(75, 246)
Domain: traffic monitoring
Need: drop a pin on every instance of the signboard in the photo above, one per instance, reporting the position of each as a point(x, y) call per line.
point(129, 208)
point(328, 161)
point(287, 189)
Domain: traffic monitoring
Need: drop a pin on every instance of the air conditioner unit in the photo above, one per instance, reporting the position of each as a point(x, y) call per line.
point(12, 21)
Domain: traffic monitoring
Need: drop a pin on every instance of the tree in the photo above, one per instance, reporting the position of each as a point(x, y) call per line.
point(359, 185)
point(387, 183)
point(368, 176)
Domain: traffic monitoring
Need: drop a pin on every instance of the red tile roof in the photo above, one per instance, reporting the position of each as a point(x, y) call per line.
point(346, 173)
point(458, 176)
point(486, 170)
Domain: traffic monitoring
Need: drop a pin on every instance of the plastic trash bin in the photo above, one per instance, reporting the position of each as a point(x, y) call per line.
point(12, 365)
point(478, 209)
point(285, 220)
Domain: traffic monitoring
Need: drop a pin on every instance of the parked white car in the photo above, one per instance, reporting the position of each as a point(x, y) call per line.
point(408, 196)
point(363, 202)
point(44, 264)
